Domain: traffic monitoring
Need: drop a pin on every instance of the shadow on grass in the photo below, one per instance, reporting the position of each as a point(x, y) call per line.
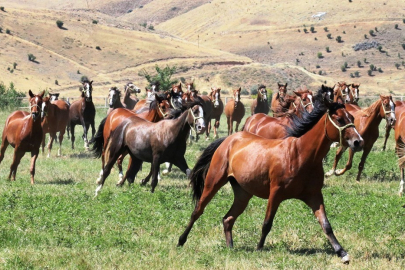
point(299, 251)
point(60, 182)
point(82, 155)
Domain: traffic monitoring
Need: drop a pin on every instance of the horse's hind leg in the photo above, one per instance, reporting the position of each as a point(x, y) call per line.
point(237, 126)
point(43, 142)
point(366, 151)
point(315, 202)
point(213, 182)
point(401, 184)
point(16, 160)
point(112, 158)
point(240, 201)
point(181, 163)
point(72, 135)
point(3, 148)
point(133, 168)
point(51, 138)
point(119, 165)
point(339, 154)
point(60, 143)
point(85, 131)
point(216, 127)
point(168, 168)
point(387, 135)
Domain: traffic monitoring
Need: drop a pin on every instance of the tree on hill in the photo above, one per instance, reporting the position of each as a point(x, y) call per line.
point(163, 76)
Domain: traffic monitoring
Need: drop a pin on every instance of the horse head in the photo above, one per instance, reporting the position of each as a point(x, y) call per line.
point(388, 110)
point(132, 88)
point(262, 93)
point(215, 96)
point(87, 89)
point(282, 90)
point(306, 99)
point(342, 93)
point(327, 92)
point(196, 116)
point(163, 106)
point(36, 104)
point(190, 86)
point(53, 97)
point(354, 90)
point(113, 96)
point(342, 126)
point(236, 96)
point(155, 86)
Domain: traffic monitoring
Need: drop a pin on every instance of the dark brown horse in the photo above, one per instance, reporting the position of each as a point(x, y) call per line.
point(276, 170)
point(164, 141)
point(114, 99)
point(129, 102)
point(82, 112)
point(367, 122)
point(217, 110)
point(158, 110)
point(261, 103)
point(55, 118)
point(400, 141)
point(276, 107)
point(234, 111)
point(23, 132)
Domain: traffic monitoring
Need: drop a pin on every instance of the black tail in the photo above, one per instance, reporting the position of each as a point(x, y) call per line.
point(98, 140)
point(400, 151)
point(197, 175)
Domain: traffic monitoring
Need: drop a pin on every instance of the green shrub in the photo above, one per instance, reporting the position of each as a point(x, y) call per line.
point(365, 36)
point(329, 36)
point(380, 70)
point(359, 63)
point(143, 24)
point(78, 71)
point(9, 97)
point(31, 57)
point(151, 27)
point(98, 48)
point(327, 49)
point(339, 39)
point(95, 22)
point(380, 48)
point(319, 55)
point(2, 8)
point(59, 23)
point(357, 74)
point(305, 30)
point(371, 32)
point(14, 65)
point(162, 75)
point(351, 75)
point(56, 82)
point(372, 67)
point(1, 30)
point(343, 68)
point(8, 31)
point(396, 26)
point(312, 29)
point(397, 65)
point(326, 29)
point(403, 46)
point(369, 72)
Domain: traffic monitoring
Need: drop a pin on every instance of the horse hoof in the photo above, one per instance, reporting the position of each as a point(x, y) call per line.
point(339, 172)
point(165, 172)
point(207, 139)
point(346, 259)
point(334, 145)
point(331, 172)
point(143, 182)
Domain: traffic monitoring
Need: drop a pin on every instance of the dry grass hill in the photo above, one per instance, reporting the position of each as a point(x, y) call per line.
point(220, 42)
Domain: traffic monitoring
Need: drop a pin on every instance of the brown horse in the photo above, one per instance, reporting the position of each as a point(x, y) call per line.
point(367, 122)
point(398, 105)
point(276, 107)
point(286, 106)
point(150, 93)
point(55, 117)
point(217, 110)
point(304, 101)
point(114, 102)
point(355, 93)
point(129, 102)
point(234, 111)
point(23, 132)
point(276, 170)
point(82, 112)
point(342, 93)
point(260, 104)
point(158, 110)
point(400, 141)
point(164, 141)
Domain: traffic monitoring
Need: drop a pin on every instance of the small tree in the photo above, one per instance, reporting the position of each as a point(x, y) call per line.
point(95, 22)
point(14, 65)
point(31, 57)
point(397, 65)
point(396, 26)
point(365, 60)
point(351, 75)
point(380, 70)
point(305, 30)
point(56, 82)
point(312, 29)
point(8, 31)
point(2, 8)
point(151, 27)
point(339, 39)
point(326, 29)
point(403, 20)
point(376, 29)
point(1, 30)
point(98, 48)
point(371, 67)
point(327, 49)
point(320, 55)
point(59, 23)
point(379, 48)
point(357, 74)
point(369, 72)
point(163, 76)
point(346, 65)
point(365, 36)
point(359, 63)
point(403, 46)
point(329, 36)
point(371, 32)
point(343, 68)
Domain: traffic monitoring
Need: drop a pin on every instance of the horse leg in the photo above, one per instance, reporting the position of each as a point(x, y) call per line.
point(339, 154)
point(216, 127)
point(401, 184)
point(85, 131)
point(387, 135)
point(272, 206)
point(315, 202)
point(112, 158)
point(93, 130)
point(146, 179)
point(240, 201)
point(51, 138)
point(16, 160)
point(168, 168)
point(213, 182)
point(72, 135)
point(237, 126)
point(181, 163)
point(3, 148)
point(348, 164)
point(207, 131)
point(60, 143)
point(43, 141)
point(134, 166)
point(119, 165)
point(155, 171)
point(366, 151)
point(34, 156)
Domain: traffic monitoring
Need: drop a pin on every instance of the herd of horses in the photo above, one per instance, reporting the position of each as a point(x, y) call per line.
point(275, 157)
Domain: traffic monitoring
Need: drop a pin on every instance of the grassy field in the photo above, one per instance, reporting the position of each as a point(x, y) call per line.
point(57, 224)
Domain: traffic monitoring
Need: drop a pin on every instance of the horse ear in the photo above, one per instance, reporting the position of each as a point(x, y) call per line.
point(91, 82)
point(286, 85)
point(297, 93)
point(158, 98)
point(42, 94)
point(219, 89)
point(31, 94)
point(240, 88)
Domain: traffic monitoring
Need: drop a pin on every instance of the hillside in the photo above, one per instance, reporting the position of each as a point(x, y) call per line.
point(227, 43)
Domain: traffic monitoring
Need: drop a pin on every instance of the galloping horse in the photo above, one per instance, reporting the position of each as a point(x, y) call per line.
point(55, 117)
point(276, 170)
point(23, 132)
point(260, 104)
point(400, 141)
point(164, 141)
point(129, 102)
point(217, 110)
point(82, 112)
point(158, 110)
point(367, 122)
point(114, 102)
point(276, 107)
point(234, 111)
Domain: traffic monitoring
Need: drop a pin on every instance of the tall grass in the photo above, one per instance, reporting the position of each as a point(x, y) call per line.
point(58, 224)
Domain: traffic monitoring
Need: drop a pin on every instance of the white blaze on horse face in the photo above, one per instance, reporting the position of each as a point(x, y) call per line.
point(43, 109)
point(236, 98)
point(310, 98)
point(392, 110)
point(216, 102)
point(149, 93)
point(153, 88)
point(347, 94)
point(200, 123)
point(264, 95)
point(188, 88)
point(111, 97)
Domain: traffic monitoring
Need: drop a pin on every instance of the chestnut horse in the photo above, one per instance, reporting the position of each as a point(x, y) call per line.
point(55, 117)
point(217, 110)
point(114, 102)
point(398, 105)
point(129, 102)
point(342, 93)
point(367, 122)
point(82, 112)
point(303, 101)
point(164, 141)
point(276, 170)
point(234, 111)
point(260, 104)
point(275, 100)
point(400, 141)
point(158, 110)
point(23, 132)
point(150, 92)
point(286, 106)
point(355, 93)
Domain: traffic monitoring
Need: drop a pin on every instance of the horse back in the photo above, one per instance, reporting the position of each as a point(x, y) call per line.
point(21, 130)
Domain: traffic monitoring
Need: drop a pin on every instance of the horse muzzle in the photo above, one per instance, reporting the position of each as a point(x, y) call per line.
point(35, 115)
point(356, 144)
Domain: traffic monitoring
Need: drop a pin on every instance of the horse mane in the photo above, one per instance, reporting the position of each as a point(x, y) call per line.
point(114, 88)
point(197, 101)
point(366, 112)
point(301, 125)
point(261, 86)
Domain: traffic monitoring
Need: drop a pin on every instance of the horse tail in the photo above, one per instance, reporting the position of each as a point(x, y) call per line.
point(197, 175)
point(98, 140)
point(400, 150)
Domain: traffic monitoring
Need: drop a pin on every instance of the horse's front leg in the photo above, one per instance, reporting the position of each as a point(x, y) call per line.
point(216, 127)
point(181, 163)
point(134, 166)
point(155, 171)
point(34, 156)
point(72, 135)
point(315, 202)
point(366, 151)
point(93, 130)
point(43, 142)
point(348, 164)
point(85, 131)
point(387, 135)
point(207, 131)
point(3, 148)
point(119, 165)
point(16, 160)
point(339, 154)
point(50, 143)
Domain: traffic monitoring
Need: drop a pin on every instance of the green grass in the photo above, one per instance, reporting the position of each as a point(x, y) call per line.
point(57, 224)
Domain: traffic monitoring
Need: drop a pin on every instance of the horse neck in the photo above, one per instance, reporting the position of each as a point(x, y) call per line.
point(153, 116)
point(118, 104)
point(180, 126)
point(314, 145)
point(373, 113)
